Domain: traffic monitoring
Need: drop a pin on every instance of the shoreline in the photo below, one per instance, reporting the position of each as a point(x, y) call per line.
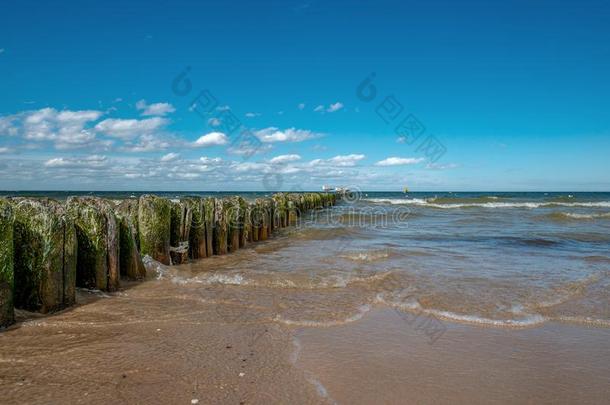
point(202, 352)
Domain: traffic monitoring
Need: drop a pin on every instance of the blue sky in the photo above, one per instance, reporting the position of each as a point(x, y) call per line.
point(509, 95)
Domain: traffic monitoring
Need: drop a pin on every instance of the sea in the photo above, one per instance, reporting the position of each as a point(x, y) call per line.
point(387, 297)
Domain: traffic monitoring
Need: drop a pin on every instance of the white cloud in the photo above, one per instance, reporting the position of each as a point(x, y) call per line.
point(90, 162)
point(438, 166)
point(284, 159)
point(130, 128)
point(334, 107)
point(147, 143)
point(250, 167)
point(214, 122)
point(5, 150)
point(8, 126)
point(248, 145)
point(160, 109)
point(346, 160)
point(210, 161)
point(211, 139)
point(184, 175)
point(66, 129)
point(398, 161)
point(252, 114)
point(330, 109)
point(301, 106)
point(273, 134)
point(79, 117)
point(170, 157)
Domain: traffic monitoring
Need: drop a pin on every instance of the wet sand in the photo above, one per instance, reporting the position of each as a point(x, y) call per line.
point(166, 342)
point(382, 359)
point(152, 343)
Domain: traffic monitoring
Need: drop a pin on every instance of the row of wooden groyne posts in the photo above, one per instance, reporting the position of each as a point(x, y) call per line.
point(49, 248)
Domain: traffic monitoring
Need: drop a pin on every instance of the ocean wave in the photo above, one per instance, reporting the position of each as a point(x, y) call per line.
point(566, 216)
point(583, 320)
point(362, 310)
point(367, 256)
point(525, 204)
point(522, 319)
point(279, 280)
point(319, 233)
point(464, 200)
point(525, 321)
point(596, 259)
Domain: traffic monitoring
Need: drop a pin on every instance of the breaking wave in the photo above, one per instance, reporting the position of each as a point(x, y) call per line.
point(448, 203)
point(522, 319)
point(288, 281)
point(367, 256)
point(568, 216)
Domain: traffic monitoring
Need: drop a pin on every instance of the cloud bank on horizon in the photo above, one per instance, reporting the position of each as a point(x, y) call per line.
point(91, 149)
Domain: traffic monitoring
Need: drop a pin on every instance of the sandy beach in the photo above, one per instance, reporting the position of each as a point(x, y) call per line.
point(152, 343)
point(159, 342)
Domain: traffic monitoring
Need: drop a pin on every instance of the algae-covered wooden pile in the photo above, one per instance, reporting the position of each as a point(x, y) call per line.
point(48, 248)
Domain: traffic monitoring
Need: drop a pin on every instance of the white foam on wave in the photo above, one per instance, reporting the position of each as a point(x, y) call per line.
point(367, 256)
point(151, 265)
point(345, 280)
point(277, 280)
point(212, 279)
point(525, 204)
point(525, 321)
point(413, 306)
point(362, 310)
point(586, 216)
point(583, 320)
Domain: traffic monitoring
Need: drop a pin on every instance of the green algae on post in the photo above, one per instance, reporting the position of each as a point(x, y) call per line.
point(221, 228)
point(262, 218)
point(282, 209)
point(196, 237)
point(45, 255)
point(244, 222)
point(180, 226)
point(129, 209)
point(234, 220)
point(209, 205)
point(97, 232)
point(7, 275)
point(154, 220)
point(268, 205)
point(130, 261)
point(255, 221)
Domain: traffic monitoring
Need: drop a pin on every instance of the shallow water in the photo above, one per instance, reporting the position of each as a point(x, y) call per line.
point(509, 289)
point(504, 260)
